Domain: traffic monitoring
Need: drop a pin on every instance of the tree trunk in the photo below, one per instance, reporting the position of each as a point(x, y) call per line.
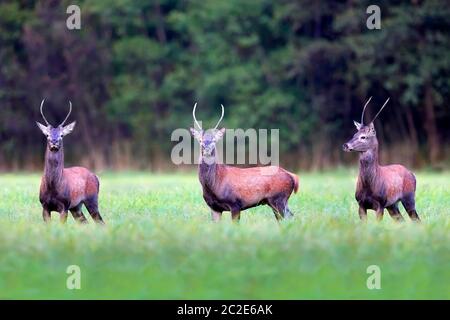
point(430, 126)
point(412, 136)
point(160, 29)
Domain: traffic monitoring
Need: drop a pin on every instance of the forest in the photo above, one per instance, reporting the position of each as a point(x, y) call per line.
point(136, 67)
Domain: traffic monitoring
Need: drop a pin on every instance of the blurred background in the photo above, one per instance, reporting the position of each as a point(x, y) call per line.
point(136, 67)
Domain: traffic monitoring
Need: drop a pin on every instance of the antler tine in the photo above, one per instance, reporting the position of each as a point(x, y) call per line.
point(195, 119)
point(364, 109)
point(384, 105)
point(42, 112)
point(221, 117)
point(67, 117)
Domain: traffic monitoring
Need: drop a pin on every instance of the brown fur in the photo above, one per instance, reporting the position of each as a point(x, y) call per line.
point(398, 181)
point(253, 186)
point(380, 187)
point(234, 189)
point(227, 188)
point(63, 189)
point(392, 183)
point(81, 184)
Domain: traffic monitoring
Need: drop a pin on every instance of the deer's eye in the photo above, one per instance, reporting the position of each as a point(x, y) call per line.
point(362, 137)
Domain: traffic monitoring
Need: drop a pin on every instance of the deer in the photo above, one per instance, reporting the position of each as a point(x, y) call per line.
point(380, 187)
point(63, 189)
point(228, 188)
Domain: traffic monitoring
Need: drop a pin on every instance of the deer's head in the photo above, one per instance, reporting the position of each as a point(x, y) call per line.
point(365, 137)
point(55, 134)
point(208, 138)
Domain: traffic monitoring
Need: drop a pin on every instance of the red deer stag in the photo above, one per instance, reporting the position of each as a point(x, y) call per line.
point(63, 189)
point(227, 188)
point(380, 187)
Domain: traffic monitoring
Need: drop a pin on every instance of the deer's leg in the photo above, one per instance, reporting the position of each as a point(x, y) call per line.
point(46, 215)
point(236, 215)
point(395, 213)
point(78, 215)
point(288, 213)
point(216, 216)
point(409, 204)
point(92, 206)
point(362, 213)
point(413, 215)
point(279, 207)
point(271, 203)
point(276, 212)
point(63, 216)
point(278, 216)
point(379, 213)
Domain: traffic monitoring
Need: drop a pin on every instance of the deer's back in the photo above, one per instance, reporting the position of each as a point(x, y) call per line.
point(82, 184)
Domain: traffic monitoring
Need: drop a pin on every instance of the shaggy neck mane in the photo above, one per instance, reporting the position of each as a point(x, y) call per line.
point(368, 166)
point(54, 166)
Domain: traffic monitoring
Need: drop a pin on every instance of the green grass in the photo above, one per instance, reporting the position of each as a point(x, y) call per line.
point(159, 243)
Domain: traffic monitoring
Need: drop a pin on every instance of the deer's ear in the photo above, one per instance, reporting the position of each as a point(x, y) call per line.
point(357, 125)
point(219, 134)
point(196, 134)
point(43, 128)
point(68, 129)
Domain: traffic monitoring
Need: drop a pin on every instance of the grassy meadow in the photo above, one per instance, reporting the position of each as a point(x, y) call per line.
point(159, 243)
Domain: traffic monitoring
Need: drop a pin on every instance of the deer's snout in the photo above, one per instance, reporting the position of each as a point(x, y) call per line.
point(207, 151)
point(346, 147)
point(53, 145)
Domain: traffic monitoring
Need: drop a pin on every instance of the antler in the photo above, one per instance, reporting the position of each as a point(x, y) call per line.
point(380, 110)
point(42, 112)
point(195, 119)
point(221, 117)
point(67, 117)
point(364, 109)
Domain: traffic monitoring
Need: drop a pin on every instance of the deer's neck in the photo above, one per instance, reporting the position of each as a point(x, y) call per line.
point(207, 171)
point(369, 166)
point(54, 166)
